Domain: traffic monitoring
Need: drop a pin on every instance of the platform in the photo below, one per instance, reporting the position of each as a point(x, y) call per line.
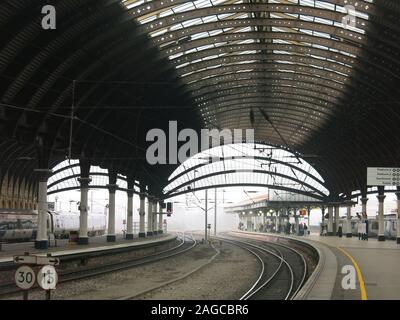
point(376, 264)
point(64, 248)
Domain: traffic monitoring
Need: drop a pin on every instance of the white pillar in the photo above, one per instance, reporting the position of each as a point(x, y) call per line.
point(330, 220)
point(381, 215)
point(296, 221)
point(348, 220)
point(129, 217)
point(155, 211)
point(41, 235)
point(205, 217)
point(112, 188)
point(83, 211)
point(149, 216)
point(160, 219)
point(364, 205)
point(142, 213)
point(336, 220)
point(215, 212)
point(398, 217)
point(277, 224)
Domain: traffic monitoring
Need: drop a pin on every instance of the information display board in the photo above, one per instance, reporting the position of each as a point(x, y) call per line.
point(383, 176)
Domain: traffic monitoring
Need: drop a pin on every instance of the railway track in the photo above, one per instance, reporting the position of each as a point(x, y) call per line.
point(283, 270)
point(187, 242)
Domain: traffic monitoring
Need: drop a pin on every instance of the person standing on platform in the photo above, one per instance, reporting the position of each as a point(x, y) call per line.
point(366, 224)
point(340, 230)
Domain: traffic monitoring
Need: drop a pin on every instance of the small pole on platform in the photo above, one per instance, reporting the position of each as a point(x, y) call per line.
point(205, 215)
point(25, 295)
point(215, 213)
point(48, 294)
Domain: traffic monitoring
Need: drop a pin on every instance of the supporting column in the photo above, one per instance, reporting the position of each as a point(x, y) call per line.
point(364, 205)
point(129, 217)
point(83, 209)
point(160, 218)
point(142, 213)
point(348, 220)
point(398, 216)
point(155, 211)
point(296, 221)
point(381, 198)
point(149, 216)
point(336, 219)
point(215, 212)
point(277, 225)
point(112, 188)
point(41, 235)
point(330, 220)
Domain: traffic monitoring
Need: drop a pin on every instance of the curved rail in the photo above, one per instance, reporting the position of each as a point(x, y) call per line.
point(283, 263)
point(182, 247)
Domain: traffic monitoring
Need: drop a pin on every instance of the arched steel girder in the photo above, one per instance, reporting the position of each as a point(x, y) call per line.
point(273, 91)
point(262, 57)
point(349, 37)
point(69, 63)
point(275, 115)
point(103, 174)
point(53, 47)
point(352, 41)
point(297, 61)
point(361, 66)
point(243, 117)
point(245, 8)
point(289, 104)
point(281, 122)
point(278, 70)
point(91, 187)
point(216, 186)
point(297, 82)
point(271, 160)
point(93, 67)
point(249, 97)
point(359, 194)
point(153, 6)
point(279, 86)
point(286, 92)
point(187, 183)
point(244, 110)
point(238, 37)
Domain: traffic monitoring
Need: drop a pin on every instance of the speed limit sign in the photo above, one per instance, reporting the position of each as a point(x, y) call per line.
point(25, 277)
point(47, 278)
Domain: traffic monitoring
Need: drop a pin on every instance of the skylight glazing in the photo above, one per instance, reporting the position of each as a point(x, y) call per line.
point(300, 45)
point(240, 164)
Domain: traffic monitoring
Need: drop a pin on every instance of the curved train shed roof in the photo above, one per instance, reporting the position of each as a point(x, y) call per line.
point(315, 77)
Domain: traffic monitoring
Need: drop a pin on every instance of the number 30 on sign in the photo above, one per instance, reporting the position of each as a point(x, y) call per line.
point(25, 277)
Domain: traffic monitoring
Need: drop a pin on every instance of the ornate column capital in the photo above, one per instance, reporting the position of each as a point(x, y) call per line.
point(142, 195)
point(364, 200)
point(381, 198)
point(44, 174)
point(112, 188)
point(84, 181)
point(130, 193)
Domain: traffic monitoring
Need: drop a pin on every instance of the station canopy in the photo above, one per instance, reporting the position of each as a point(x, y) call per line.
point(286, 176)
point(318, 78)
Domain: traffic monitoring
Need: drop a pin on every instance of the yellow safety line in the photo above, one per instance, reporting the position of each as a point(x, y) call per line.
point(359, 274)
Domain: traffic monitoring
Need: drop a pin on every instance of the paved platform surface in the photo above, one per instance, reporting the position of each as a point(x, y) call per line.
point(65, 248)
point(377, 265)
point(378, 262)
